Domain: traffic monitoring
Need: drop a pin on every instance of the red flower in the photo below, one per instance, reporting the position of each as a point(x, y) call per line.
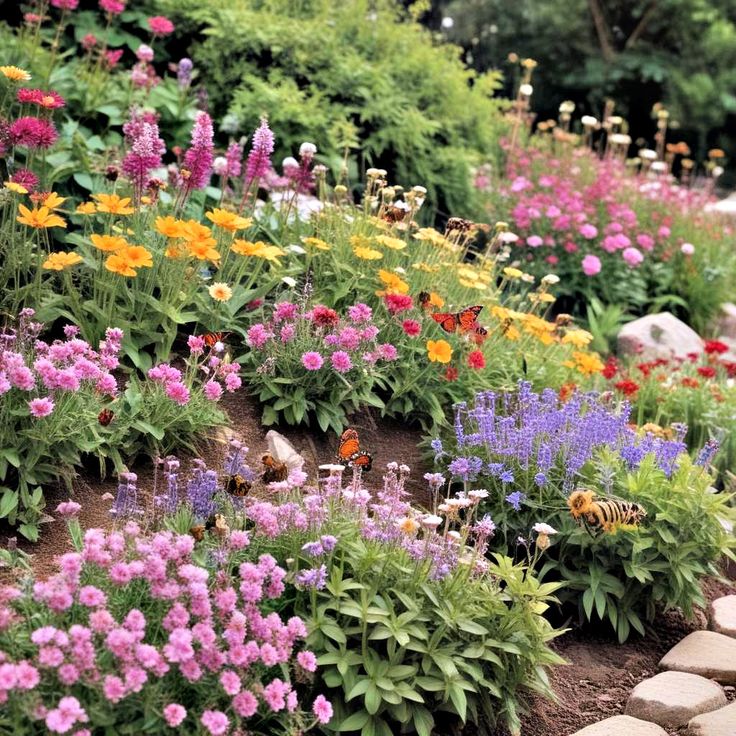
point(715, 347)
point(707, 371)
point(324, 316)
point(610, 369)
point(730, 367)
point(451, 373)
point(476, 360)
point(567, 390)
point(627, 387)
point(693, 357)
point(396, 303)
point(690, 382)
point(411, 327)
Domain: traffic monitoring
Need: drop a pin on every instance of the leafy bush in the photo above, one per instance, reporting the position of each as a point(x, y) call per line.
point(532, 451)
point(135, 633)
point(355, 77)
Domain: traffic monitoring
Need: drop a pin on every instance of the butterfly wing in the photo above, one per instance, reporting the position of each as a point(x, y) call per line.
point(467, 318)
point(273, 470)
point(349, 446)
point(283, 451)
point(447, 321)
point(363, 460)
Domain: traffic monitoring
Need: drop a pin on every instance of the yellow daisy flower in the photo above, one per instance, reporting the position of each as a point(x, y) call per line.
point(15, 74)
point(220, 292)
point(439, 351)
point(389, 242)
point(108, 243)
point(118, 264)
point(317, 243)
point(39, 218)
point(113, 204)
point(15, 187)
point(61, 260)
point(137, 256)
point(367, 254)
point(228, 220)
point(86, 208)
point(53, 201)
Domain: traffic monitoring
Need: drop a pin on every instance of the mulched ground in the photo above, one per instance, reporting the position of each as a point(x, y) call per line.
point(600, 673)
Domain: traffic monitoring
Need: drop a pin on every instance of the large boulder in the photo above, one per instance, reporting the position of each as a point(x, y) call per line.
point(622, 726)
point(724, 323)
point(718, 723)
point(705, 653)
point(658, 336)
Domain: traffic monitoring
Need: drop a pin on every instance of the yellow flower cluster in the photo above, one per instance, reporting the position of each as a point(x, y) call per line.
point(259, 249)
point(392, 283)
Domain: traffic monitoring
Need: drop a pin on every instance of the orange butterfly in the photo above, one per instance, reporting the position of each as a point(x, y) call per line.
point(105, 417)
point(350, 454)
point(212, 338)
point(465, 321)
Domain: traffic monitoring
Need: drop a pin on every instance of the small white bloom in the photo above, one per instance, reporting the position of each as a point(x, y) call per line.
point(289, 163)
point(219, 165)
point(448, 22)
point(687, 249)
point(526, 90)
point(589, 121)
point(551, 279)
point(508, 237)
point(541, 528)
point(307, 149)
point(289, 281)
point(431, 521)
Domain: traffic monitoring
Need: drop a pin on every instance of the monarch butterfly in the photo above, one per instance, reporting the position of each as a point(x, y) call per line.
point(350, 454)
point(105, 417)
point(237, 486)
point(280, 459)
point(465, 320)
point(605, 514)
point(212, 338)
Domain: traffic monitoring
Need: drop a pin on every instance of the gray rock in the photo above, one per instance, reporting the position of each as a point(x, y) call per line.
point(718, 723)
point(622, 726)
point(658, 336)
point(725, 321)
point(671, 699)
point(705, 653)
point(723, 615)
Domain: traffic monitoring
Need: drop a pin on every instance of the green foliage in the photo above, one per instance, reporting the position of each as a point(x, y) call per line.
point(330, 72)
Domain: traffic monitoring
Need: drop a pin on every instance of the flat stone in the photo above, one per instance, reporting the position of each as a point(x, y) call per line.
point(705, 653)
point(723, 615)
point(718, 723)
point(622, 726)
point(658, 336)
point(671, 699)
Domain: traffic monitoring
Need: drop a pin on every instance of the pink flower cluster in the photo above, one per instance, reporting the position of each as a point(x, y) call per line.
point(31, 132)
point(49, 100)
point(320, 334)
point(28, 364)
point(188, 623)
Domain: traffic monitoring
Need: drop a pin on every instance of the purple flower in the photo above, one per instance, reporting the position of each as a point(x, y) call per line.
point(184, 72)
point(341, 361)
point(233, 158)
point(360, 312)
point(259, 158)
point(145, 149)
point(126, 500)
point(315, 578)
point(312, 361)
point(466, 468)
point(198, 159)
point(516, 499)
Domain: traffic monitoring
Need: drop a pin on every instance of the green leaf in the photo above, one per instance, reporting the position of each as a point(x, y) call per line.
point(355, 722)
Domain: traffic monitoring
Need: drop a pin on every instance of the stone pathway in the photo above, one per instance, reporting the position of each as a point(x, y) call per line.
point(689, 694)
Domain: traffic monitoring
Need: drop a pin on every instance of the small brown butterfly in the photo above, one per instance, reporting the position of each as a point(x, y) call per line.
point(237, 486)
point(212, 338)
point(105, 417)
point(350, 453)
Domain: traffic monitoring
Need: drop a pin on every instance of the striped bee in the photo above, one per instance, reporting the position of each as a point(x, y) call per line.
point(604, 514)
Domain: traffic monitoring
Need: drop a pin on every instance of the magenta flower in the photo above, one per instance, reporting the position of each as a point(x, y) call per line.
point(175, 714)
point(113, 7)
point(360, 312)
point(26, 178)
point(322, 709)
point(259, 158)
point(213, 390)
point(65, 4)
point(178, 392)
point(215, 721)
point(31, 132)
point(411, 327)
point(41, 407)
point(307, 661)
point(632, 256)
point(68, 509)
point(340, 361)
point(233, 160)
point(588, 231)
point(160, 26)
point(534, 241)
point(312, 361)
point(591, 265)
point(200, 156)
point(196, 344)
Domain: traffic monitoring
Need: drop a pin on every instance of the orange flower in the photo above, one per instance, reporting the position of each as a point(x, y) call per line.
point(86, 208)
point(258, 249)
point(39, 218)
point(203, 250)
point(173, 251)
point(53, 201)
point(108, 243)
point(118, 264)
point(169, 226)
point(439, 351)
point(137, 256)
point(15, 187)
point(193, 230)
point(113, 204)
point(228, 220)
point(14, 73)
point(61, 260)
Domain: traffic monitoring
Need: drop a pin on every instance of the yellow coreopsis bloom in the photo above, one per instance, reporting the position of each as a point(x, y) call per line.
point(367, 254)
point(228, 220)
point(118, 264)
point(39, 218)
point(15, 187)
point(108, 243)
point(61, 260)
point(137, 256)
point(113, 204)
point(317, 243)
point(439, 351)
point(436, 300)
point(169, 226)
point(86, 208)
point(587, 363)
point(578, 338)
point(389, 242)
point(220, 292)
point(512, 273)
point(53, 201)
point(425, 267)
point(393, 283)
point(15, 74)
point(258, 249)
point(202, 250)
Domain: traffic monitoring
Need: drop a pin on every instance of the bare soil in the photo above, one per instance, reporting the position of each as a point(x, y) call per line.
point(600, 673)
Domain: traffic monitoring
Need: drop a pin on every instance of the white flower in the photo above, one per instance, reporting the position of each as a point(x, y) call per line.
point(687, 249)
point(289, 281)
point(289, 163)
point(332, 467)
point(448, 22)
point(541, 528)
point(589, 121)
point(219, 165)
point(430, 521)
point(307, 149)
point(648, 154)
point(526, 90)
point(508, 237)
point(478, 494)
point(550, 279)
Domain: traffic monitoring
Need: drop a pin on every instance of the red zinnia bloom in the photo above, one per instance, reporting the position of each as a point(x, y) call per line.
point(324, 316)
point(476, 360)
point(715, 347)
point(707, 371)
point(693, 357)
point(411, 327)
point(451, 373)
point(627, 387)
point(396, 303)
point(730, 367)
point(50, 100)
point(610, 369)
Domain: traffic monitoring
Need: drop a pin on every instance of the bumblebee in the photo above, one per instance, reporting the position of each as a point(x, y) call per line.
point(604, 515)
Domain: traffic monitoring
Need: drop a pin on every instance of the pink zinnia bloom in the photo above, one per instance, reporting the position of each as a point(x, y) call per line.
point(245, 704)
point(178, 392)
point(322, 709)
point(307, 661)
point(411, 327)
point(312, 361)
point(396, 303)
point(26, 676)
point(588, 231)
point(230, 682)
point(196, 344)
point(31, 132)
point(68, 509)
point(259, 158)
point(591, 265)
point(41, 407)
point(341, 361)
point(175, 714)
point(113, 688)
point(534, 241)
point(160, 26)
point(215, 721)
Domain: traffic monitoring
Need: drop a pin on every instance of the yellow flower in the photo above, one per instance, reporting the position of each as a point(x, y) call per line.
point(108, 243)
point(436, 300)
point(544, 297)
point(220, 292)
point(389, 242)
point(14, 73)
point(512, 273)
point(229, 220)
point(578, 338)
point(53, 201)
point(421, 266)
point(191, 231)
point(408, 525)
point(86, 208)
point(467, 272)
point(173, 251)
point(587, 363)
point(169, 226)
point(15, 187)
point(203, 250)
point(61, 260)
point(113, 204)
point(39, 218)
point(137, 256)
point(393, 283)
point(118, 264)
point(439, 351)
point(367, 254)
point(317, 243)
point(258, 249)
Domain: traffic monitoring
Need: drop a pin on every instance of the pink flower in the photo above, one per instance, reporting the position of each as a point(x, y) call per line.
point(245, 704)
point(341, 361)
point(588, 231)
point(259, 158)
point(89, 42)
point(65, 4)
point(68, 509)
point(40, 408)
point(411, 327)
point(664, 232)
point(645, 241)
point(198, 159)
point(178, 392)
point(26, 178)
point(307, 661)
point(175, 714)
point(233, 382)
point(196, 344)
point(312, 361)
point(32, 132)
point(92, 597)
point(26, 676)
point(113, 7)
point(591, 265)
point(65, 715)
point(534, 241)
point(687, 249)
point(258, 335)
point(230, 682)
point(360, 312)
point(322, 709)
point(476, 360)
point(285, 311)
point(396, 303)
point(632, 256)
point(215, 721)
point(160, 26)
point(387, 352)
point(287, 333)
point(213, 390)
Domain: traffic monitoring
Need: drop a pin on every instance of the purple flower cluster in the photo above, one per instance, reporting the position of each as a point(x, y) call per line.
point(259, 159)
point(145, 149)
point(198, 159)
